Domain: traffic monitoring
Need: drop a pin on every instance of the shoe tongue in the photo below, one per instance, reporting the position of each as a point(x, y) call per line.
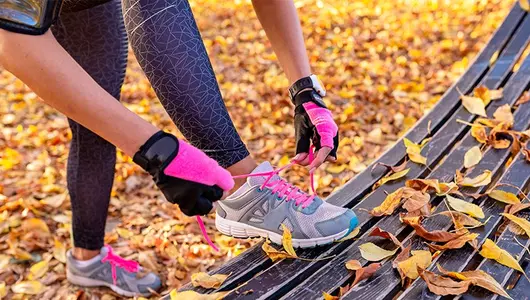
point(262, 168)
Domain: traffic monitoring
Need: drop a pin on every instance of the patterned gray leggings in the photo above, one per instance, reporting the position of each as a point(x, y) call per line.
point(167, 43)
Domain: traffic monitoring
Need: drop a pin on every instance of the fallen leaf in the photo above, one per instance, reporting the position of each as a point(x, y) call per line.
point(434, 236)
point(3, 290)
point(474, 105)
point(54, 201)
point(207, 281)
point(521, 222)
point(272, 253)
point(287, 241)
point(124, 233)
point(387, 235)
point(480, 180)
point(37, 270)
point(443, 286)
point(35, 224)
point(351, 235)
point(353, 265)
point(403, 255)
point(525, 97)
point(31, 287)
point(504, 114)
point(420, 259)
point(414, 152)
point(462, 219)
point(492, 251)
point(483, 93)
point(366, 272)
point(479, 133)
point(525, 4)
point(392, 201)
point(192, 295)
point(59, 251)
point(395, 169)
point(465, 207)
point(503, 196)
point(457, 243)
point(329, 297)
point(424, 185)
point(4, 261)
point(372, 252)
point(515, 208)
point(414, 200)
point(478, 278)
point(472, 157)
point(390, 177)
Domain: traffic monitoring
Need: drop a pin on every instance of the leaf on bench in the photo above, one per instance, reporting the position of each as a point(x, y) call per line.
point(366, 272)
point(504, 114)
point(460, 219)
point(392, 201)
point(486, 94)
point(430, 185)
point(465, 207)
point(353, 265)
point(433, 236)
point(480, 180)
point(521, 222)
point(479, 133)
point(456, 243)
point(287, 241)
point(525, 4)
point(515, 208)
point(372, 252)
point(472, 157)
point(329, 297)
point(503, 196)
point(478, 278)
point(474, 105)
point(390, 177)
point(387, 235)
point(525, 97)
point(208, 281)
point(420, 259)
point(192, 295)
point(443, 286)
point(492, 251)
point(350, 236)
point(414, 151)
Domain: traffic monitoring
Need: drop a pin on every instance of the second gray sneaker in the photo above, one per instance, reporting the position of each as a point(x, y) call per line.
point(259, 208)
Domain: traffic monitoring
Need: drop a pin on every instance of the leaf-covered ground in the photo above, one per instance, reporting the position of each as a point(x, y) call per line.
point(384, 63)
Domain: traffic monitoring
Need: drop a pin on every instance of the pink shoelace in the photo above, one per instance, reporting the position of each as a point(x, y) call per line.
point(280, 187)
point(120, 262)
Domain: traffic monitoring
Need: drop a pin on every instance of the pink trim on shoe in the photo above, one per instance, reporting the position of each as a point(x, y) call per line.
point(324, 123)
point(120, 262)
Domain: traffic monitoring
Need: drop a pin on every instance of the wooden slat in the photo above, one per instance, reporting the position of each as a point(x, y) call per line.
point(253, 261)
point(520, 290)
point(389, 282)
point(334, 274)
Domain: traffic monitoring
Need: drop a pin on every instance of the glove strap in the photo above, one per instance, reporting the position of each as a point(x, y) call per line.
point(157, 152)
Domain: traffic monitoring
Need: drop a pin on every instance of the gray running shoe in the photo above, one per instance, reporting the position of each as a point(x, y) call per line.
point(259, 208)
point(124, 277)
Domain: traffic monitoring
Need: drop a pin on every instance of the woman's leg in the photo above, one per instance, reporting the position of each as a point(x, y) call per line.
point(170, 50)
point(96, 39)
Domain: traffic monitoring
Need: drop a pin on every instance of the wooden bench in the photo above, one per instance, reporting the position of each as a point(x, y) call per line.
point(297, 279)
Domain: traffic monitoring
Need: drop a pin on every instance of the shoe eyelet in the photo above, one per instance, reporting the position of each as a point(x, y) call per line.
point(260, 190)
point(279, 198)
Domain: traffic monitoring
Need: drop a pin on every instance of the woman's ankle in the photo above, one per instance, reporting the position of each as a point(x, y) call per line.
point(84, 254)
point(244, 166)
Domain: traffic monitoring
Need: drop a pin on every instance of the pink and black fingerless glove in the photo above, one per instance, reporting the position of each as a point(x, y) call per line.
point(313, 122)
point(185, 175)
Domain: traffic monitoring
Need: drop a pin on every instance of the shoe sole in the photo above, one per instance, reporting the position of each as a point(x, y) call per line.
point(88, 282)
point(241, 230)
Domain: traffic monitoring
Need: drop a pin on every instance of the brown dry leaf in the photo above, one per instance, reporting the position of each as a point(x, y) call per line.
point(503, 196)
point(395, 169)
point(414, 200)
point(480, 180)
point(37, 270)
point(521, 222)
point(478, 278)
point(329, 297)
point(526, 152)
point(456, 243)
point(35, 224)
point(443, 286)
point(4, 261)
point(59, 251)
point(492, 251)
point(462, 219)
point(525, 4)
point(372, 252)
point(424, 184)
point(192, 295)
point(207, 281)
point(31, 287)
point(350, 236)
point(287, 241)
point(392, 201)
point(483, 93)
point(479, 133)
point(387, 235)
point(420, 259)
point(472, 157)
point(504, 114)
point(525, 97)
point(366, 272)
point(353, 265)
point(274, 254)
point(414, 152)
point(54, 201)
point(3, 290)
point(474, 105)
point(515, 208)
point(434, 236)
point(390, 177)
point(403, 255)
point(465, 207)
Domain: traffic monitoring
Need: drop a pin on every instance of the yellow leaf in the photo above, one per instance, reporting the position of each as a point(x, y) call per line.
point(472, 157)
point(372, 252)
point(480, 180)
point(54, 201)
point(525, 4)
point(492, 251)
point(207, 281)
point(474, 105)
point(414, 151)
point(351, 235)
point(38, 269)
point(3, 290)
point(496, 94)
point(287, 241)
point(283, 161)
point(192, 295)
point(353, 265)
point(523, 223)
point(272, 253)
point(479, 133)
point(483, 93)
point(124, 233)
point(388, 206)
point(465, 207)
point(494, 57)
point(419, 259)
point(35, 224)
point(4, 261)
point(329, 297)
point(59, 251)
point(391, 177)
point(32, 287)
point(503, 196)
point(336, 169)
point(504, 114)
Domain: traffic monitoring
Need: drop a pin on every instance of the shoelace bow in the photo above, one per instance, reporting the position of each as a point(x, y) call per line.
point(280, 187)
point(120, 262)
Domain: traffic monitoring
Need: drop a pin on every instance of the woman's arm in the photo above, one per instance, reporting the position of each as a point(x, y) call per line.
point(41, 63)
point(280, 21)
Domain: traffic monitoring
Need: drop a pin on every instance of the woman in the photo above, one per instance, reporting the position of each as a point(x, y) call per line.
point(79, 67)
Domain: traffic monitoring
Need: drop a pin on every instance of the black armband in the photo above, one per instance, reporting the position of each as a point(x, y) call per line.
point(33, 17)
